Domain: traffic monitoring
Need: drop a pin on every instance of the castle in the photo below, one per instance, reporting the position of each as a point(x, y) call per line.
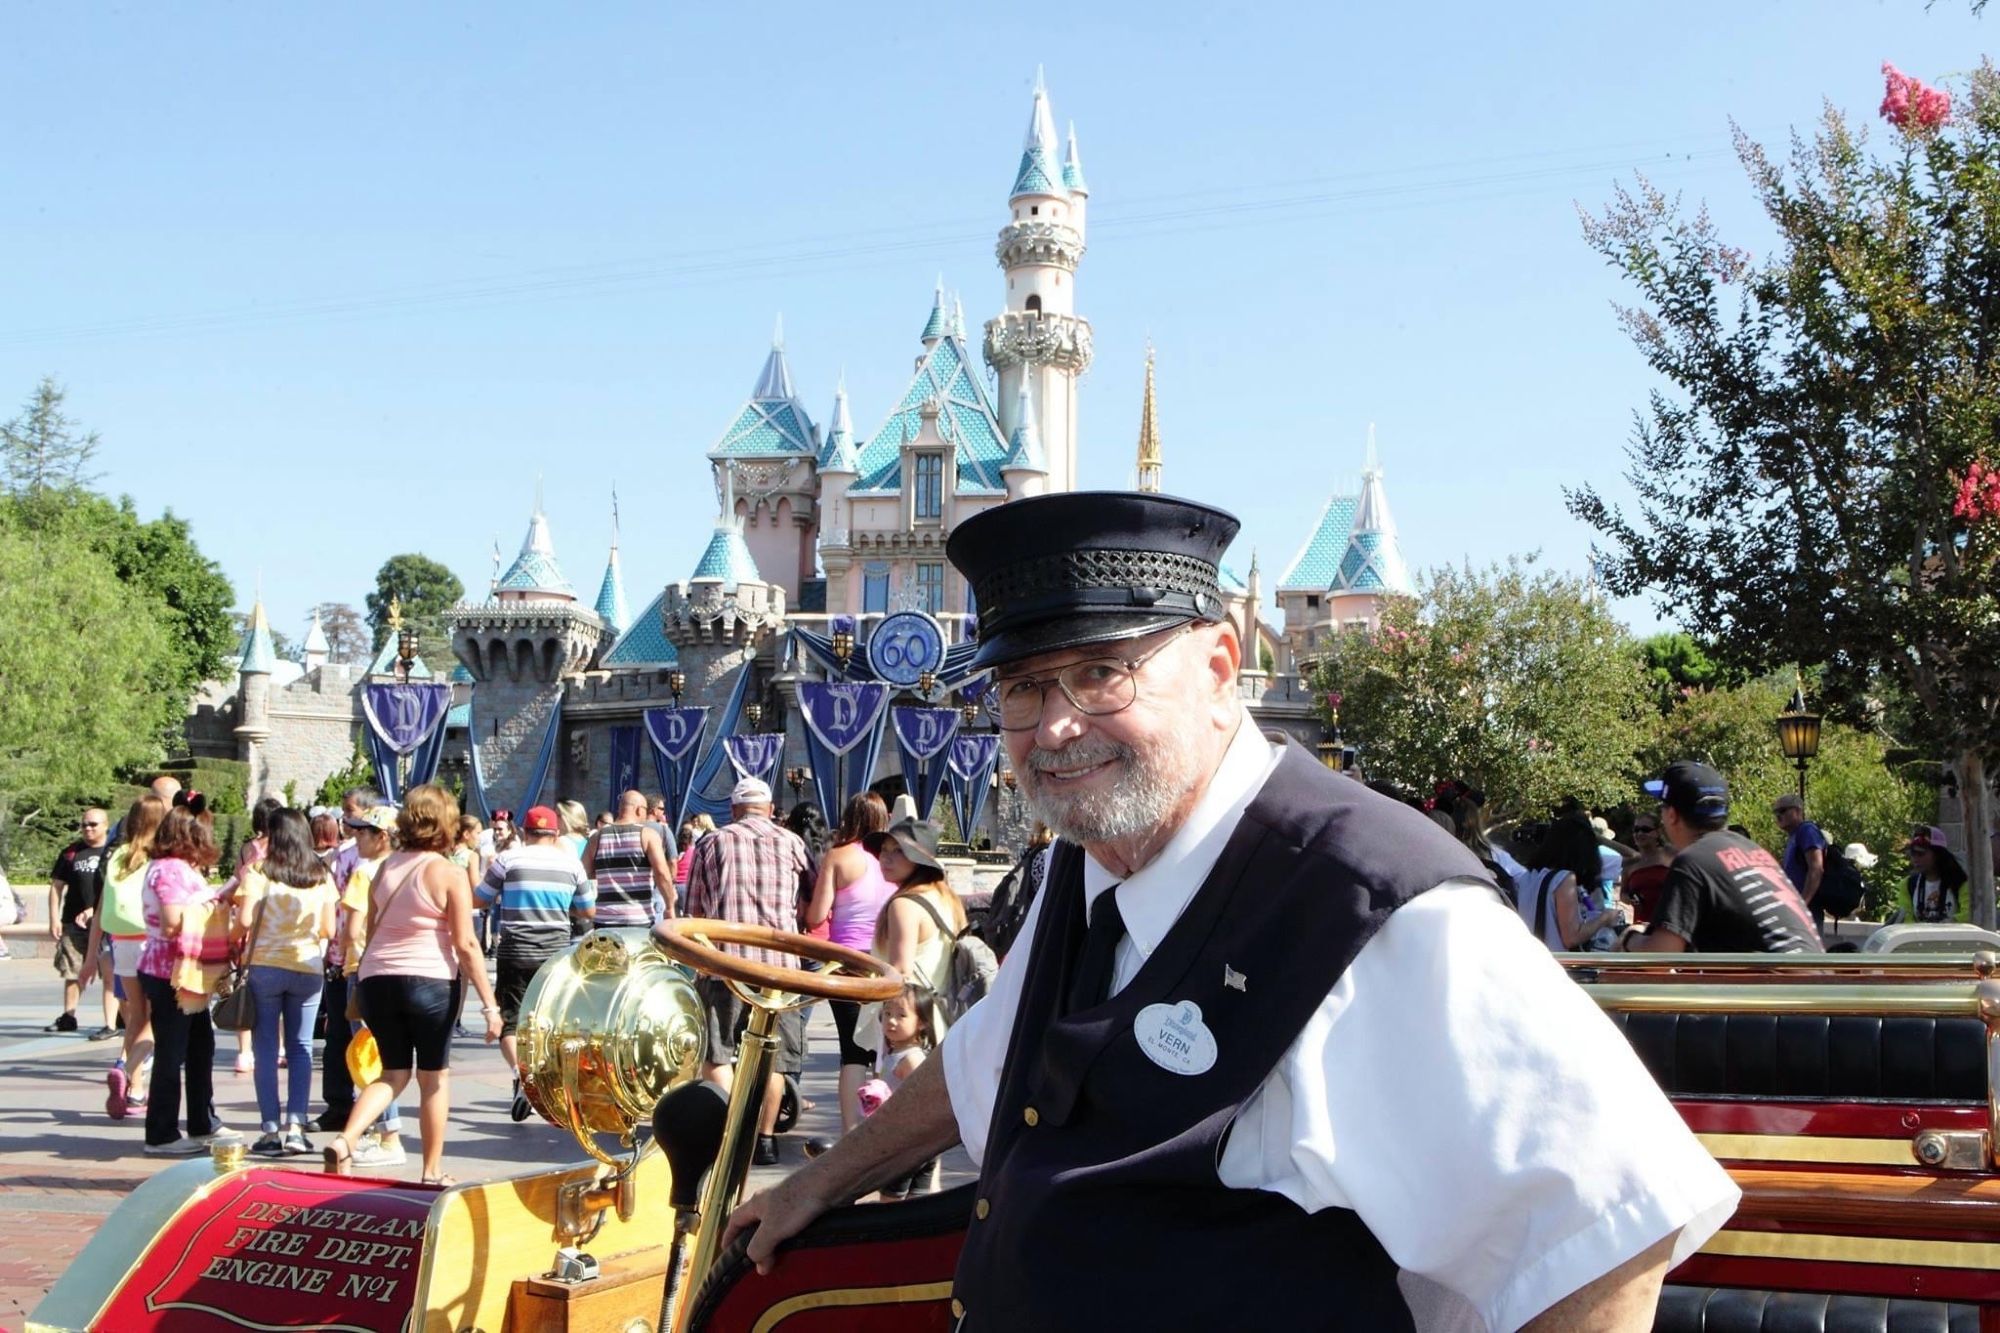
point(817, 523)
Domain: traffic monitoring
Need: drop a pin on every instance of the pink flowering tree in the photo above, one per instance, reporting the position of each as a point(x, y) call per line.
point(1816, 479)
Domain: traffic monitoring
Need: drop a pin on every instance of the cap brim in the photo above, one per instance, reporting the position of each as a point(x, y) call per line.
point(1655, 789)
point(1078, 631)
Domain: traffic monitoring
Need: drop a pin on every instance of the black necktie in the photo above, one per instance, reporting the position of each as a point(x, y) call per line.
point(1092, 982)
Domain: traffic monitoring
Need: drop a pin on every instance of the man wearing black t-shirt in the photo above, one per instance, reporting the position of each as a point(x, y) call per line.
point(74, 887)
point(1724, 893)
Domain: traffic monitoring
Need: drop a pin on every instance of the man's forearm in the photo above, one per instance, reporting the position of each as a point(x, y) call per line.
point(1622, 1301)
point(911, 1127)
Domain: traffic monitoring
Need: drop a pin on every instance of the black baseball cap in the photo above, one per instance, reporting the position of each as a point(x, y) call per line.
point(1692, 789)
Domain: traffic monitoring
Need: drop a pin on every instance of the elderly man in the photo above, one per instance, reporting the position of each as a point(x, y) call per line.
point(752, 871)
point(1263, 1012)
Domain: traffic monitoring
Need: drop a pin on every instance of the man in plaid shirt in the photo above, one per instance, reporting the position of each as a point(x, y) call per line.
point(752, 871)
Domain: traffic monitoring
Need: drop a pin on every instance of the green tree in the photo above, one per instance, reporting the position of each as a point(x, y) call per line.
point(1809, 483)
point(1676, 664)
point(78, 701)
point(1852, 794)
point(1511, 678)
point(426, 590)
point(42, 450)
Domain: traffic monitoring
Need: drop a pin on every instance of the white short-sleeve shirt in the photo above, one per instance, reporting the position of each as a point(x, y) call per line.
point(1452, 1089)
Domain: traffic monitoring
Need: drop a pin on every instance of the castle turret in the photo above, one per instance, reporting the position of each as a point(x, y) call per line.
point(1372, 566)
point(1149, 434)
point(939, 322)
point(316, 650)
point(1039, 336)
point(610, 607)
point(774, 441)
point(1072, 178)
point(535, 576)
point(253, 692)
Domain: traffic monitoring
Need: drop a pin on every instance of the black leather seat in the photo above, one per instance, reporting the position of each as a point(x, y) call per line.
point(1806, 1057)
point(1730, 1310)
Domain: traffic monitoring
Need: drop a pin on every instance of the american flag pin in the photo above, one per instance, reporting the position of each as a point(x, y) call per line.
point(1234, 980)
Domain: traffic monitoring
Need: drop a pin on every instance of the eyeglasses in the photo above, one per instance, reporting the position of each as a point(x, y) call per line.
point(93, 823)
point(1645, 828)
point(1095, 687)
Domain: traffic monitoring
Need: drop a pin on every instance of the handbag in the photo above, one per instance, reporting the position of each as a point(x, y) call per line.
point(236, 1005)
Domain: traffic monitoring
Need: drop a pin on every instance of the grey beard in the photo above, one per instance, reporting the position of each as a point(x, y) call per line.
point(1139, 803)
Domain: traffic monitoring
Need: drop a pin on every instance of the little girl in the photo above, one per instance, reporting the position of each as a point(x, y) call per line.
point(908, 1033)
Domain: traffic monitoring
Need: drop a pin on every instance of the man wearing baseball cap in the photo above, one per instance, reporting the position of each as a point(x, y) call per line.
point(542, 899)
point(1724, 893)
point(754, 871)
point(1255, 1011)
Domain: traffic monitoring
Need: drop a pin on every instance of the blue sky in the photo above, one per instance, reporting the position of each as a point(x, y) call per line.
point(342, 281)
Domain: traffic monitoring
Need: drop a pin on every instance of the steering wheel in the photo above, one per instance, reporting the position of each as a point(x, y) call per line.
point(692, 940)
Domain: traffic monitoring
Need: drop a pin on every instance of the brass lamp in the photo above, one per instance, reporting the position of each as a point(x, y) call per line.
point(1798, 735)
point(843, 641)
point(968, 714)
point(677, 682)
point(754, 712)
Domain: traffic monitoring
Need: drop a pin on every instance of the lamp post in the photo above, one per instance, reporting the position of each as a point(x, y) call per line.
point(754, 712)
point(926, 684)
point(1798, 735)
point(796, 778)
point(1333, 751)
point(968, 714)
point(677, 682)
point(843, 642)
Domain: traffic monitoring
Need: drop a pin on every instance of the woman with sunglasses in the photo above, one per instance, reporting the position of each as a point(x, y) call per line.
point(1646, 872)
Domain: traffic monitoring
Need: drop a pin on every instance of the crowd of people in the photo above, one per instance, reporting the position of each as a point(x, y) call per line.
point(361, 929)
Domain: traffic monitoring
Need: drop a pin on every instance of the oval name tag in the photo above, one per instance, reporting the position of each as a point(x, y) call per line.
point(1174, 1037)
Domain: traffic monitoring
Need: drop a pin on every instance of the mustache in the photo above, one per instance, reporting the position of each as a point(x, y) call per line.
point(1077, 754)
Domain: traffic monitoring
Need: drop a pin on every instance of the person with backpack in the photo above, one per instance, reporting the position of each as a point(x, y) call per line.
point(1935, 890)
point(922, 923)
point(1555, 892)
point(1805, 853)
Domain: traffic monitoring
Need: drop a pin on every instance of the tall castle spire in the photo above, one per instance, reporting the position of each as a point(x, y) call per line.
point(1039, 337)
point(1149, 434)
point(611, 608)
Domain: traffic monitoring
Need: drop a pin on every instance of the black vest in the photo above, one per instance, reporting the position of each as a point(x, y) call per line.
point(1099, 1206)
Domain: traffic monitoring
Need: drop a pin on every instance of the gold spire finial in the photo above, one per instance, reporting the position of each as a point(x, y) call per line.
point(395, 612)
point(1149, 433)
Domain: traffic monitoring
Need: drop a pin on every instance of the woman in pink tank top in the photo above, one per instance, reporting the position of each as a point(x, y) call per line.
point(421, 951)
point(849, 894)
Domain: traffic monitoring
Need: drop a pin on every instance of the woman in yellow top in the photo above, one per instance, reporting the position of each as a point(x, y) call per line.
point(120, 927)
point(284, 917)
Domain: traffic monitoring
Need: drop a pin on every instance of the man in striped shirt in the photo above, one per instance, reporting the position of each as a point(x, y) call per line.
point(543, 900)
point(752, 871)
point(629, 861)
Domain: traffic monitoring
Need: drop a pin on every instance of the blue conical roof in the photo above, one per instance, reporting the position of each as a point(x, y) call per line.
point(1024, 446)
point(727, 558)
point(839, 453)
point(1373, 560)
point(1072, 167)
point(939, 323)
point(257, 654)
point(950, 376)
point(610, 606)
point(534, 571)
point(773, 422)
point(1038, 173)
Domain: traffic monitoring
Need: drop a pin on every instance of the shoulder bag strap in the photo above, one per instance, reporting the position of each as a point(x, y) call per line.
point(1542, 905)
point(923, 900)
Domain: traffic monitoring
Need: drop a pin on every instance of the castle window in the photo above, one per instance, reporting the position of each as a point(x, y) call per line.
point(929, 480)
point(1035, 303)
point(1035, 210)
point(930, 585)
point(1312, 601)
point(875, 589)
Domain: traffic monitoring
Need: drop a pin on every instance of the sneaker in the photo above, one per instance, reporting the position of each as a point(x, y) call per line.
point(114, 1100)
point(245, 1063)
point(65, 1023)
point(520, 1109)
point(296, 1142)
point(767, 1151)
point(209, 1139)
point(104, 1034)
point(182, 1147)
point(269, 1145)
point(377, 1154)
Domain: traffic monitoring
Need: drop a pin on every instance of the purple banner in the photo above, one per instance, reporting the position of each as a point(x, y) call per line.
point(676, 732)
point(922, 736)
point(756, 756)
point(971, 766)
point(842, 714)
point(403, 716)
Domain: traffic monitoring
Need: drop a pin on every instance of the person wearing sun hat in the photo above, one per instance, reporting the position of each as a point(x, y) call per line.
point(1723, 893)
point(1224, 1022)
point(917, 925)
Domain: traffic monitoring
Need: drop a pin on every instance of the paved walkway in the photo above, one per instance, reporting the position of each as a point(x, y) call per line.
point(64, 1164)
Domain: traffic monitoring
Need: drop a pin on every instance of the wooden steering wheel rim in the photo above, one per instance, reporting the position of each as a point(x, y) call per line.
point(875, 980)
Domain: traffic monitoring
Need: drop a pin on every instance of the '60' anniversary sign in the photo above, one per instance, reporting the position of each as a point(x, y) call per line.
point(904, 646)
